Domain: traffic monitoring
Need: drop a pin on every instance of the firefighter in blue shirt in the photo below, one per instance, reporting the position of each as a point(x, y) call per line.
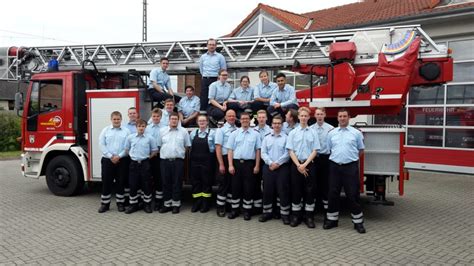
point(112, 145)
point(173, 142)
point(346, 145)
point(283, 97)
point(210, 64)
point(244, 161)
point(303, 144)
point(276, 172)
point(141, 148)
point(219, 93)
point(241, 98)
point(262, 129)
point(322, 160)
point(153, 130)
point(223, 177)
point(263, 92)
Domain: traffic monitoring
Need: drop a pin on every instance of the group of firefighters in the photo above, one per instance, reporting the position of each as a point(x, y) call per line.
point(280, 171)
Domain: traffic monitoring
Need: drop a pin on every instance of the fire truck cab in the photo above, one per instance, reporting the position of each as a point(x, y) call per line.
point(55, 132)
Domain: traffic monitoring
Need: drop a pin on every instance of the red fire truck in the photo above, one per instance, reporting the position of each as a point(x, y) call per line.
point(368, 71)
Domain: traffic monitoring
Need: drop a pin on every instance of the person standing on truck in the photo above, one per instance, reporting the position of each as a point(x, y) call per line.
point(346, 145)
point(153, 130)
point(303, 144)
point(244, 162)
point(159, 84)
point(262, 129)
point(112, 145)
point(210, 64)
point(188, 107)
point(173, 142)
point(141, 148)
point(276, 172)
point(219, 93)
point(241, 98)
point(263, 92)
point(223, 177)
point(202, 159)
point(283, 97)
point(322, 160)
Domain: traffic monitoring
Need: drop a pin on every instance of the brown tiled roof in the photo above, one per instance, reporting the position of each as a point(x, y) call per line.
point(360, 13)
point(369, 11)
point(295, 21)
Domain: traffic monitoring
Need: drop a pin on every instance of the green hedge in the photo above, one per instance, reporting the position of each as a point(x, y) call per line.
point(10, 130)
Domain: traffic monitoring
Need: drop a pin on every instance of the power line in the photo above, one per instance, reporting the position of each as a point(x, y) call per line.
point(37, 36)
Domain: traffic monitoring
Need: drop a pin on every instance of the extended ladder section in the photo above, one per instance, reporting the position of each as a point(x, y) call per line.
point(270, 51)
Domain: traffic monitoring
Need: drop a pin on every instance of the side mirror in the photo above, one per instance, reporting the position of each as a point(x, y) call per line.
point(18, 101)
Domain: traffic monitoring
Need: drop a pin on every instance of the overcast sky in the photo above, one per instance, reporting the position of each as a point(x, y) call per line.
point(57, 22)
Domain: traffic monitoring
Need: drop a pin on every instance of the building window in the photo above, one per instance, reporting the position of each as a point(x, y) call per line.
point(460, 116)
point(460, 138)
point(261, 25)
point(252, 30)
point(462, 50)
point(426, 116)
point(422, 95)
point(463, 72)
point(460, 94)
point(425, 137)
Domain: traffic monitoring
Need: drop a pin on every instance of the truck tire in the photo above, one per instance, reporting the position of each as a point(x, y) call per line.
point(64, 177)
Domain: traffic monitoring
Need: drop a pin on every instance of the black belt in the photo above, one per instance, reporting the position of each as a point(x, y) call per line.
point(140, 162)
point(172, 159)
point(243, 161)
point(209, 77)
point(343, 164)
point(323, 155)
point(302, 162)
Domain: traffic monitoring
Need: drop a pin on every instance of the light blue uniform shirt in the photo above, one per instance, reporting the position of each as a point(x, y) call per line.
point(322, 132)
point(223, 134)
point(132, 127)
point(202, 134)
point(265, 91)
point(153, 131)
point(173, 142)
point(303, 141)
point(112, 141)
point(188, 106)
point(287, 129)
point(244, 144)
point(210, 64)
point(284, 97)
point(140, 146)
point(274, 149)
point(263, 131)
point(219, 91)
point(241, 94)
point(344, 144)
point(161, 78)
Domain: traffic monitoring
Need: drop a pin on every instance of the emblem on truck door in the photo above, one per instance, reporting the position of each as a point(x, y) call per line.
point(32, 139)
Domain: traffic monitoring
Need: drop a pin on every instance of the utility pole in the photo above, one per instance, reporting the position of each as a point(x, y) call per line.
point(144, 35)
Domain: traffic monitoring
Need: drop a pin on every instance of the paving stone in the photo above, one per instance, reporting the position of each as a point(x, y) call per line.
point(37, 227)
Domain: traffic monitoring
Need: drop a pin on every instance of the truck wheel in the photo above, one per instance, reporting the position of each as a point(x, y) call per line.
point(63, 176)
